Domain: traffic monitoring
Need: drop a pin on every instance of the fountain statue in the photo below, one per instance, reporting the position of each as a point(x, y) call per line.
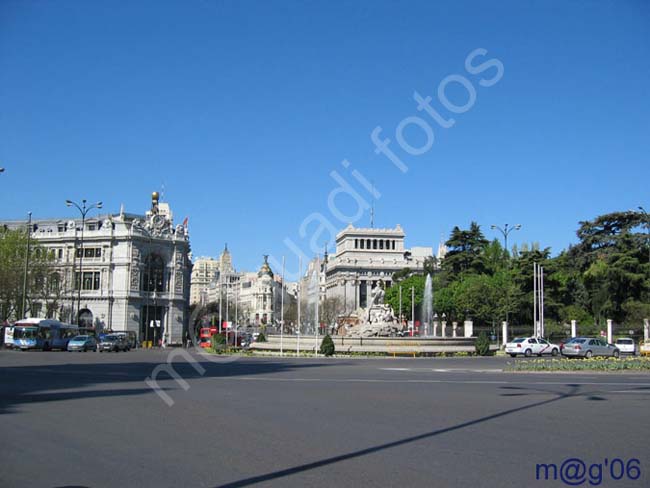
point(427, 309)
point(378, 319)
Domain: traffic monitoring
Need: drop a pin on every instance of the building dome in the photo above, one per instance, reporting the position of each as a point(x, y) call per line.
point(265, 270)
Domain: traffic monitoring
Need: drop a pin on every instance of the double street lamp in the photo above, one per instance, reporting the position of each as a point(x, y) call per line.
point(29, 235)
point(647, 223)
point(83, 209)
point(505, 231)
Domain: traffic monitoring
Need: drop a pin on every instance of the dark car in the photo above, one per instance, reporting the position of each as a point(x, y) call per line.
point(112, 342)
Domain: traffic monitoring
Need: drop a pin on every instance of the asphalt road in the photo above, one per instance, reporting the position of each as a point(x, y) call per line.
point(90, 419)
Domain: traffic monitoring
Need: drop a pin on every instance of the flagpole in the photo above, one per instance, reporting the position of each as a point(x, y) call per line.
point(535, 327)
point(299, 293)
point(282, 313)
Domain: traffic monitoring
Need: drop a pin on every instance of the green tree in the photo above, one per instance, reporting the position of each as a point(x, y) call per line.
point(40, 274)
point(466, 249)
point(327, 347)
point(392, 294)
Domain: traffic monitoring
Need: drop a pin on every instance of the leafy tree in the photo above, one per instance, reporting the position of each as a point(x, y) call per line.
point(40, 274)
point(392, 294)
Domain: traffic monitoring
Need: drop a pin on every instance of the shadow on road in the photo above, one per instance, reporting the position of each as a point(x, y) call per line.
point(574, 391)
point(35, 383)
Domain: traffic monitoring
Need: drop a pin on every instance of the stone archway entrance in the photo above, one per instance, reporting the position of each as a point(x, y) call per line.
point(85, 318)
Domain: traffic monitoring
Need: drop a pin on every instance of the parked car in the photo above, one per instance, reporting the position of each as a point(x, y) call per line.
point(113, 342)
point(82, 343)
point(586, 347)
point(644, 348)
point(626, 345)
point(531, 345)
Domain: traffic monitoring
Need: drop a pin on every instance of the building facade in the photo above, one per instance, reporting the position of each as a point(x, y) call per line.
point(122, 272)
point(204, 269)
point(255, 296)
point(363, 257)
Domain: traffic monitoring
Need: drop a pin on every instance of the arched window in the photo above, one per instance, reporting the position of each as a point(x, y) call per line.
point(381, 243)
point(362, 243)
point(374, 243)
point(153, 275)
point(356, 243)
point(368, 244)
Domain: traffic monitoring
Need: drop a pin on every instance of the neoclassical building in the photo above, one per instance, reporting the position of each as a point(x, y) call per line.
point(363, 257)
point(128, 272)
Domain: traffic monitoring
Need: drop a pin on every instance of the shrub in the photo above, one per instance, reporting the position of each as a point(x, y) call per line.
point(482, 344)
point(218, 341)
point(327, 346)
point(261, 337)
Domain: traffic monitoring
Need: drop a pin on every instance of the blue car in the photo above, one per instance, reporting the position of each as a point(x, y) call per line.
point(82, 343)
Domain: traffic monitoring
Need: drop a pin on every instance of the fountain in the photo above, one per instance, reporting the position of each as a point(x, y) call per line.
point(427, 309)
point(378, 319)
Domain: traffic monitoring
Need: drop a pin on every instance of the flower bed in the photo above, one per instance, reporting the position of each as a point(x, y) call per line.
point(593, 364)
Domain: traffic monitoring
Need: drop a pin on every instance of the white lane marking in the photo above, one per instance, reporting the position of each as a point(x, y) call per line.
point(445, 370)
point(464, 382)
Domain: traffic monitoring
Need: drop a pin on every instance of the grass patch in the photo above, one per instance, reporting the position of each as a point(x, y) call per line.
point(593, 364)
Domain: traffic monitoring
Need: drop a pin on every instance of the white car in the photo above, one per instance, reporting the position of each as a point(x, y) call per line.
point(531, 345)
point(626, 345)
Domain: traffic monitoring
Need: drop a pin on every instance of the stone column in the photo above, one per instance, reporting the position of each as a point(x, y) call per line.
point(646, 329)
point(609, 331)
point(504, 327)
point(454, 327)
point(443, 330)
point(435, 327)
point(468, 328)
point(574, 324)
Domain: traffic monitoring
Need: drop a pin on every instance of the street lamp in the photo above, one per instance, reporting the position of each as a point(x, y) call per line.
point(83, 209)
point(29, 234)
point(505, 231)
point(647, 222)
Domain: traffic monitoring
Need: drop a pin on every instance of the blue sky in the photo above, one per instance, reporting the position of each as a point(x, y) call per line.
point(242, 110)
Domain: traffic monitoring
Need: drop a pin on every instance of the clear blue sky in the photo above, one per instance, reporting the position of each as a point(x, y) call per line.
point(242, 110)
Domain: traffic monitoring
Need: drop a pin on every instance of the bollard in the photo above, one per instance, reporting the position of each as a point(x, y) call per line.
point(573, 328)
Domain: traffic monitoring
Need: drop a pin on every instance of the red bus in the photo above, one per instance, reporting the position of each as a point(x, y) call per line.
point(205, 335)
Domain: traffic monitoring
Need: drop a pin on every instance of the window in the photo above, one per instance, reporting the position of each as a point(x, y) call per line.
point(60, 228)
point(356, 243)
point(60, 253)
point(91, 280)
point(363, 241)
point(153, 274)
point(381, 244)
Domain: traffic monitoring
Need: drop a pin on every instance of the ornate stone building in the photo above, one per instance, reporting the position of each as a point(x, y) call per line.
point(257, 297)
point(363, 257)
point(135, 272)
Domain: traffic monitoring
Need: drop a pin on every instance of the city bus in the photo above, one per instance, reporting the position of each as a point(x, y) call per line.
point(205, 336)
point(45, 334)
